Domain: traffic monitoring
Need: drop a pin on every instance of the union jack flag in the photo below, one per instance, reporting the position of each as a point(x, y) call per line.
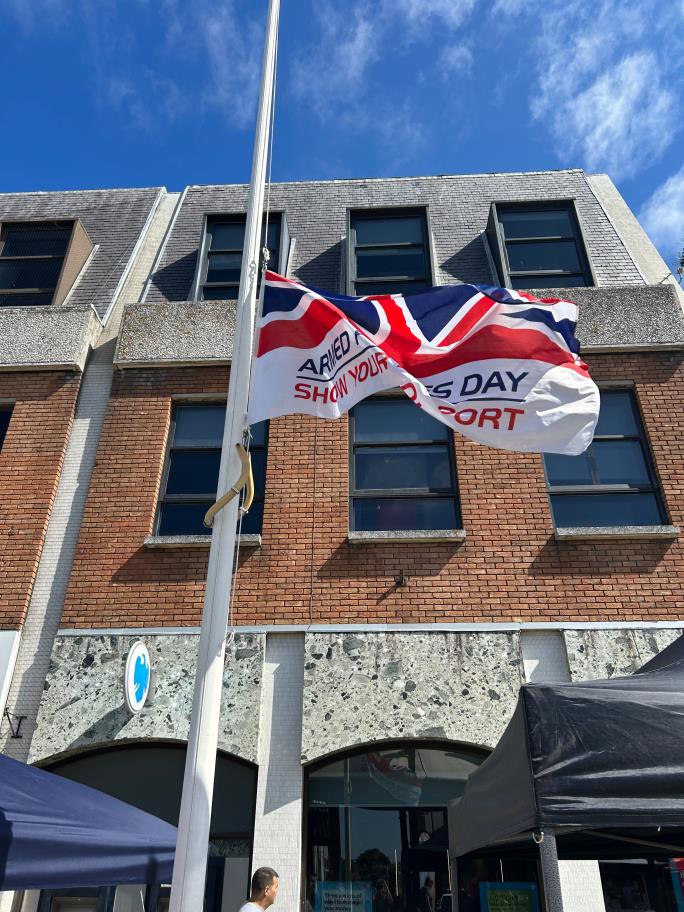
point(500, 366)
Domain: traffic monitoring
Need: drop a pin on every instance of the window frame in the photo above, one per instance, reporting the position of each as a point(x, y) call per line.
point(405, 492)
point(427, 245)
point(495, 234)
point(162, 498)
point(76, 253)
point(599, 489)
point(283, 252)
point(5, 408)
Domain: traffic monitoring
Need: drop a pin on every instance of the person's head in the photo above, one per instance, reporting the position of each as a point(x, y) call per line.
point(429, 881)
point(264, 887)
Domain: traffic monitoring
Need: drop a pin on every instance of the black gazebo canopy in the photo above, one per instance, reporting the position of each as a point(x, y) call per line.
point(603, 756)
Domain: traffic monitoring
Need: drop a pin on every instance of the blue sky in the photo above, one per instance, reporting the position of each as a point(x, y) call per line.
point(113, 93)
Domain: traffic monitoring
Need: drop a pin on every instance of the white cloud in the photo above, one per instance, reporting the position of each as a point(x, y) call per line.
point(607, 98)
point(234, 68)
point(197, 56)
point(331, 76)
point(621, 121)
point(511, 7)
point(455, 59)
point(662, 215)
point(448, 12)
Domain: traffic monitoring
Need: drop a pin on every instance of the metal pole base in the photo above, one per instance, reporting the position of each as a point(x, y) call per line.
point(548, 853)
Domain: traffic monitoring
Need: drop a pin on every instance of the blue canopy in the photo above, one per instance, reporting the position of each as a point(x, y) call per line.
point(57, 833)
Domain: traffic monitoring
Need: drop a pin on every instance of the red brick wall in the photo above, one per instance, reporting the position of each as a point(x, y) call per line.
point(509, 569)
point(30, 464)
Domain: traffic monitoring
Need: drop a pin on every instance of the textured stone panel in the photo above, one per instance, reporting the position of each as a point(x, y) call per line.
point(188, 332)
point(594, 654)
point(83, 702)
point(365, 687)
point(47, 337)
point(631, 317)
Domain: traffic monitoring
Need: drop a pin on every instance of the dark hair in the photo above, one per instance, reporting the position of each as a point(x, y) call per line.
point(262, 878)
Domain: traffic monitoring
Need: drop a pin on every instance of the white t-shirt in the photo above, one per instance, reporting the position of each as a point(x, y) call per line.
point(250, 907)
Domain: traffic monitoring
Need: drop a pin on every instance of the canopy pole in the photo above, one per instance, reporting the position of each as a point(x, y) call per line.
point(189, 871)
point(548, 852)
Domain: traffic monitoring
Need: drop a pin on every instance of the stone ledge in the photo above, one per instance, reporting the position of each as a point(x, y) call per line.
point(456, 536)
point(47, 337)
point(251, 540)
point(596, 533)
point(185, 332)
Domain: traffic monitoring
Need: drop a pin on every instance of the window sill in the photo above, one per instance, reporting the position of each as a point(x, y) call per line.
point(455, 536)
point(597, 533)
point(252, 540)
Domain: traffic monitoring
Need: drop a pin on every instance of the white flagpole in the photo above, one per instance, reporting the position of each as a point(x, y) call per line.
point(189, 870)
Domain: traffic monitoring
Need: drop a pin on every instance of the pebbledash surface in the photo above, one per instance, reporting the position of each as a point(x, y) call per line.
point(372, 668)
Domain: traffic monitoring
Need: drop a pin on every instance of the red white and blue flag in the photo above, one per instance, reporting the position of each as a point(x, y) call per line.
point(500, 366)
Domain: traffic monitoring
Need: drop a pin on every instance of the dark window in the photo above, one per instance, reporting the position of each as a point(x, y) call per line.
point(542, 246)
point(223, 259)
point(31, 258)
point(5, 414)
point(389, 252)
point(403, 474)
point(192, 468)
point(613, 483)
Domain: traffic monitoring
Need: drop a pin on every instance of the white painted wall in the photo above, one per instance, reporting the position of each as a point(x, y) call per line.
point(278, 817)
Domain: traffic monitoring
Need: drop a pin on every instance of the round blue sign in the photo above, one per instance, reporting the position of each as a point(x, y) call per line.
point(137, 677)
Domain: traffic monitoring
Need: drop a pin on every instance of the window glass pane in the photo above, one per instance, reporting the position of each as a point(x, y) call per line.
point(377, 514)
point(224, 267)
point(4, 423)
point(536, 223)
point(395, 420)
point(524, 283)
point(400, 775)
point(35, 241)
point(408, 467)
point(220, 293)
point(231, 235)
point(532, 255)
point(617, 415)
point(183, 519)
point(193, 472)
point(199, 425)
point(605, 510)
point(273, 236)
point(227, 235)
point(32, 299)
point(390, 261)
point(258, 432)
point(29, 273)
point(389, 286)
point(567, 470)
point(252, 521)
point(391, 230)
point(620, 462)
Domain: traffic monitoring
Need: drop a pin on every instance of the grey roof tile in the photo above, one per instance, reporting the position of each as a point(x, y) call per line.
point(113, 220)
point(459, 207)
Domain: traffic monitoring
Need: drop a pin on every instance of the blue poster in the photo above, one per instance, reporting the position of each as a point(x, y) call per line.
point(509, 897)
point(343, 896)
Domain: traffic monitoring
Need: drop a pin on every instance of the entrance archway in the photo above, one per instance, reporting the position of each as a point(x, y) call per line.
point(149, 775)
point(376, 826)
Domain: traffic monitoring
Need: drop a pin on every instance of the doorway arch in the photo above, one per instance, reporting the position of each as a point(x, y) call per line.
point(376, 826)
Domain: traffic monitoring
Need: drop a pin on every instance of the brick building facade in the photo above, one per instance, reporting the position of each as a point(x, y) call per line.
point(351, 641)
